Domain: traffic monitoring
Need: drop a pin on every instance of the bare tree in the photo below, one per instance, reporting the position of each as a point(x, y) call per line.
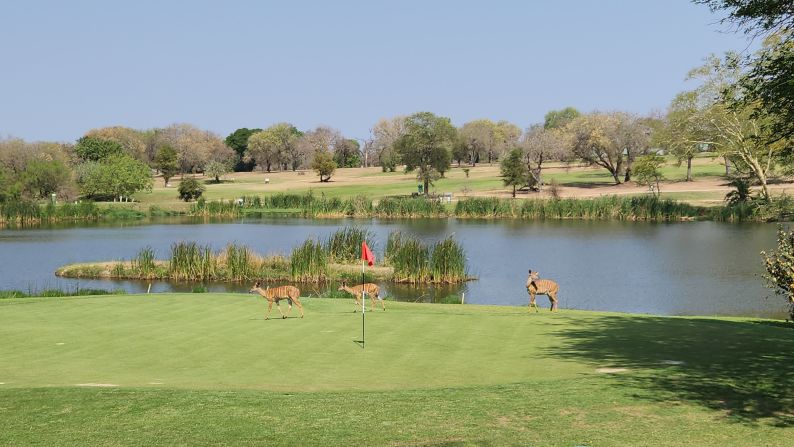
point(385, 133)
point(539, 145)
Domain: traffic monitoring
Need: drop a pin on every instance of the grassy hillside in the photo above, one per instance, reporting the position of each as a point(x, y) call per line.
point(207, 369)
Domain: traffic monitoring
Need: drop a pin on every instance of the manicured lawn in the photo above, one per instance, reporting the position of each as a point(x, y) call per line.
point(207, 369)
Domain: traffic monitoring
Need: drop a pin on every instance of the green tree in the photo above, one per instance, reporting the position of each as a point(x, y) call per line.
point(114, 177)
point(238, 141)
point(167, 162)
point(324, 164)
point(514, 171)
point(41, 178)
point(216, 169)
point(190, 189)
point(769, 78)
point(475, 139)
point(346, 153)
point(647, 172)
point(96, 149)
point(557, 119)
point(426, 146)
point(276, 145)
point(779, 266)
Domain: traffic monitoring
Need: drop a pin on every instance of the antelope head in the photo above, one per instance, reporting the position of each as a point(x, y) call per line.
point(253, 289)
point(343, 287)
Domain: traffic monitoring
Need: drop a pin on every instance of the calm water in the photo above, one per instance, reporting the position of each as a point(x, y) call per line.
point(697, 268)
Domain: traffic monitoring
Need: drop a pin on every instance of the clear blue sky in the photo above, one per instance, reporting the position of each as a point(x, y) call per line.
point(69, 66)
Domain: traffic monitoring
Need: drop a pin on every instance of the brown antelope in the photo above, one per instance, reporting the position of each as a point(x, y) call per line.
point(536, 286)
point(369, 288)
point(290, 293)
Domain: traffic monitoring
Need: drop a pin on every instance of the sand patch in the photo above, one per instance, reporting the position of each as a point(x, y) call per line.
point(101, 385)
point(611, 370)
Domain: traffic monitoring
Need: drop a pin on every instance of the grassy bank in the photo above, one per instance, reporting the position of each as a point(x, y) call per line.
point(158, 370)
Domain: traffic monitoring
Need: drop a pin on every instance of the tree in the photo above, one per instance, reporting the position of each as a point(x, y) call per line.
point(647, 172)
point(385, 133)
point(346, 154)
point(114, 177)
point(779, 266)
point(167, 163)
point(238, 141)
point(506, 136)
point(190, 189)
point(736, 129)
point(195, 147)
point(514, 171)
point(426, 145)
point(558, 119)
point(133, 142)
point(685, 128)
point(768, 78)
point(216, 169)
point(276, 145)
point(609, 140)
point(96, 149)
point(475, 140)
point(324, 164)
point(538, 145)
point(41, 178)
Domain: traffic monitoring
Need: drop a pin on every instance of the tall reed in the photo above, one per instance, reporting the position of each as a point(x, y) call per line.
point(309, 262)
point(409, 257)
point(143, 263)
point(239, 263)
point(190, 261)
point(344, 245)
point(448, 262)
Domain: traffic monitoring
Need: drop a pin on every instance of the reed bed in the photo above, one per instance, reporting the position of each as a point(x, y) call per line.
point(309, 262)
point(25, 212)
point(344, 245)
point(191, 261)
point(448, 262)
point(144, 264)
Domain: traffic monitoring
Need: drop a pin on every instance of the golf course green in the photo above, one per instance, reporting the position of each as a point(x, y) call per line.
point(208, 369)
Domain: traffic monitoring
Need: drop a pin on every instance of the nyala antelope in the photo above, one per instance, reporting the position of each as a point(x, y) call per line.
point(276, 294)
point(369, 288)
point(536, 286)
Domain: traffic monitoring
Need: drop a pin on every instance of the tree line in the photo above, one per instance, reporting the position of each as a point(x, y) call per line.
point(741, 109)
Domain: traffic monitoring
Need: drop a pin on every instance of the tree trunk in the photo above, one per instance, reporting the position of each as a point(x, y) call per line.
point(627, 177)
point(514, 191)
point(727, 166)
point(616, 176)
point(427, 187)
point(689, 169)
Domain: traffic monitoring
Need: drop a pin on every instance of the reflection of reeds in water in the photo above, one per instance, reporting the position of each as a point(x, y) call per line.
point(309, 262)
point(345, 244)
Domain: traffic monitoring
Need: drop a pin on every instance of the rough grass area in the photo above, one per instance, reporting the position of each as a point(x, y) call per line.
point(186, 369)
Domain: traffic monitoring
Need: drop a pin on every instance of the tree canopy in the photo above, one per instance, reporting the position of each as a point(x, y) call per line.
point(426, 146)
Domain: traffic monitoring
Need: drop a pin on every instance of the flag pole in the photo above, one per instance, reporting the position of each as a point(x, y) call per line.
point(362, 303)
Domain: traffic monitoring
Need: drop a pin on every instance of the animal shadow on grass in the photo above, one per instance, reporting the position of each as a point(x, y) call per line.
point(744, 369)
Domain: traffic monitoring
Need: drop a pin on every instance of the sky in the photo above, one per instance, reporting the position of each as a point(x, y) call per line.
point(70, 66)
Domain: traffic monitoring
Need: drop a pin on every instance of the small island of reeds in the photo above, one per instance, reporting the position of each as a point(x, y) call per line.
point(406, 260)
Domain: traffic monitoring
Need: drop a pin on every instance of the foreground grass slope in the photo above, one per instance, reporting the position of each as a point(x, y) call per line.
point(208, 369)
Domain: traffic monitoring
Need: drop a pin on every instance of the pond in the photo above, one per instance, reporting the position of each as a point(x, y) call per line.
point(694, 268)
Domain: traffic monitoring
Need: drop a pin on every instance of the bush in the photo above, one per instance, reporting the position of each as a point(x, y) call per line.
point(190, 189)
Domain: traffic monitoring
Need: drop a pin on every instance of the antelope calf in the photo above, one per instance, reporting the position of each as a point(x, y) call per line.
point(290, 293)
point(369, 288)
point(536, 286)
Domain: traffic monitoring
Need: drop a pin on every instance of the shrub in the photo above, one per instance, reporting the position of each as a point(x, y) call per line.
point(190, 189)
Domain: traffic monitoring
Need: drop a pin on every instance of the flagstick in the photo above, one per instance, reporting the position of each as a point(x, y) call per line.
point(362, 303)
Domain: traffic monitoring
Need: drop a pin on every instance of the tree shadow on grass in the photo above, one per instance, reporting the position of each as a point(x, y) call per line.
point(744, 369)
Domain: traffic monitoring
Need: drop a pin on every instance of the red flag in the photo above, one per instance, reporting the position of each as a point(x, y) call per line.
point(366, 253)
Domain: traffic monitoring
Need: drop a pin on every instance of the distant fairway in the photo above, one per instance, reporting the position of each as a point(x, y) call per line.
point(207, 369)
